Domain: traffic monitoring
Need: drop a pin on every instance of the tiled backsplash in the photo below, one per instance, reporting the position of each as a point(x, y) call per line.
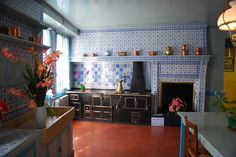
point(105, 75)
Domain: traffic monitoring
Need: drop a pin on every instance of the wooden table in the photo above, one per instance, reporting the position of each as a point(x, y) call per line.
point(212, 133)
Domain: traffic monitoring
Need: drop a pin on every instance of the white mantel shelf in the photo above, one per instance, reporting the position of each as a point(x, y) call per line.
point(158, 58)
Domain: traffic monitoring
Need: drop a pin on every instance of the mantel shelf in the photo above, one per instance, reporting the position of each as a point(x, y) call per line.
point(22, 41)
point(158, 58)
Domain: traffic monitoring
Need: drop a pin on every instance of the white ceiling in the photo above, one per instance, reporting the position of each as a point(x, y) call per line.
point(100, 14)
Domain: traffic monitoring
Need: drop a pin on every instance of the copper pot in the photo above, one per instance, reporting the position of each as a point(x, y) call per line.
point(14, 31)
point(198, 51)
point(184, 50)
point(38, 39)
point(152, 53)
point(136, 53)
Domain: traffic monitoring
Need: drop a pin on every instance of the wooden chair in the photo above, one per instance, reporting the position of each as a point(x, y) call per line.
point(192, 148)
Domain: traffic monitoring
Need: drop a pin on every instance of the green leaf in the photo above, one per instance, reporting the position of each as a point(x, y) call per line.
point(50, 111)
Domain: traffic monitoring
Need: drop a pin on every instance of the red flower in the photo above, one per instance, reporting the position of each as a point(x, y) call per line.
point(3, 107)
point(177, 105)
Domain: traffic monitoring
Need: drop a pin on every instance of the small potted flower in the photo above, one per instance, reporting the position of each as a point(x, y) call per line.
point(177, 105)
point(82, 85)
point(227, 106)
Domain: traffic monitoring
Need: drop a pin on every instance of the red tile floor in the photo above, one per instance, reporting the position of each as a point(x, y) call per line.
point(101, 139)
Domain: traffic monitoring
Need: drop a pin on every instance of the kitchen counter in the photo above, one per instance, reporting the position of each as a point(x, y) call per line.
point(19, 133)
point(107, 92)
point(13, 140)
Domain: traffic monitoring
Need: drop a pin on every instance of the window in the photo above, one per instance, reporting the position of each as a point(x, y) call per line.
point(62, 65)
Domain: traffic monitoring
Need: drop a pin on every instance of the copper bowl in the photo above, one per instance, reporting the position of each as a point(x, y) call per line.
point(122, 53)
point(152, 53)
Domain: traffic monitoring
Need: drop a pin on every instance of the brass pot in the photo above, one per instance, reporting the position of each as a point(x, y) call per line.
point(168, 51)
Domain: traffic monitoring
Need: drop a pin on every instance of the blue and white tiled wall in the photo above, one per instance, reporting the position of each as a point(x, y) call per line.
point(154, 38)
point(11, 75)
point(105, 75)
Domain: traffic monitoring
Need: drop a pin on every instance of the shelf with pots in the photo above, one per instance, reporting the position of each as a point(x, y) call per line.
point(22, 41)
point(141, 58)
point(11, 11)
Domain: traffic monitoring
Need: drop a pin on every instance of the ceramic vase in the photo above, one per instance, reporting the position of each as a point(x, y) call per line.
point(40, 117)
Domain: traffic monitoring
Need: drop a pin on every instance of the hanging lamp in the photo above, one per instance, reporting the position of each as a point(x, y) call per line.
point(227, 21)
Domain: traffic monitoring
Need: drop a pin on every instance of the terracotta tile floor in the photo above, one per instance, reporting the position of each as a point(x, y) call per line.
point(103, 139)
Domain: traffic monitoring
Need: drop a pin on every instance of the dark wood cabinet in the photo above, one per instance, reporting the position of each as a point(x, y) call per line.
point(101, 107)
point(132, 109)
point(74, 100)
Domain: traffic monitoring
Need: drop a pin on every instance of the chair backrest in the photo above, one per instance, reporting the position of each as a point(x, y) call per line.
point(191, 139)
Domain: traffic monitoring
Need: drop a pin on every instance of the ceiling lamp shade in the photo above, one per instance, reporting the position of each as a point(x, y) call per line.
point(227, 20)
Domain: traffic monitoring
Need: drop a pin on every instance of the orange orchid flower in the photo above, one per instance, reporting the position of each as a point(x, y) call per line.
point(32, 50)
point(8, 55)
point(31, 103)
point(17, 92)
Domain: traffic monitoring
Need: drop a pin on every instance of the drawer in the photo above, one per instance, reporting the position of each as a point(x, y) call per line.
point(74, 97)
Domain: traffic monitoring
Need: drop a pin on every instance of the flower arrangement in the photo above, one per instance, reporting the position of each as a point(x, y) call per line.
point(177, 105)
point(37, 76)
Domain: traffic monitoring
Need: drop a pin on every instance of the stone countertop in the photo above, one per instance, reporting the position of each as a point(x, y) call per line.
point(106, 92)
point(12, 140)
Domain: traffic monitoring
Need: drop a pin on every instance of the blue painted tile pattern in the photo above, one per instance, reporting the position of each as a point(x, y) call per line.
point(152, 38)
point(102, 75)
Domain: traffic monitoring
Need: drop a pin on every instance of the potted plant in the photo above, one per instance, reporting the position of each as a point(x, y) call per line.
point(177, 105)
point(227, 106)
point(38, 80)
